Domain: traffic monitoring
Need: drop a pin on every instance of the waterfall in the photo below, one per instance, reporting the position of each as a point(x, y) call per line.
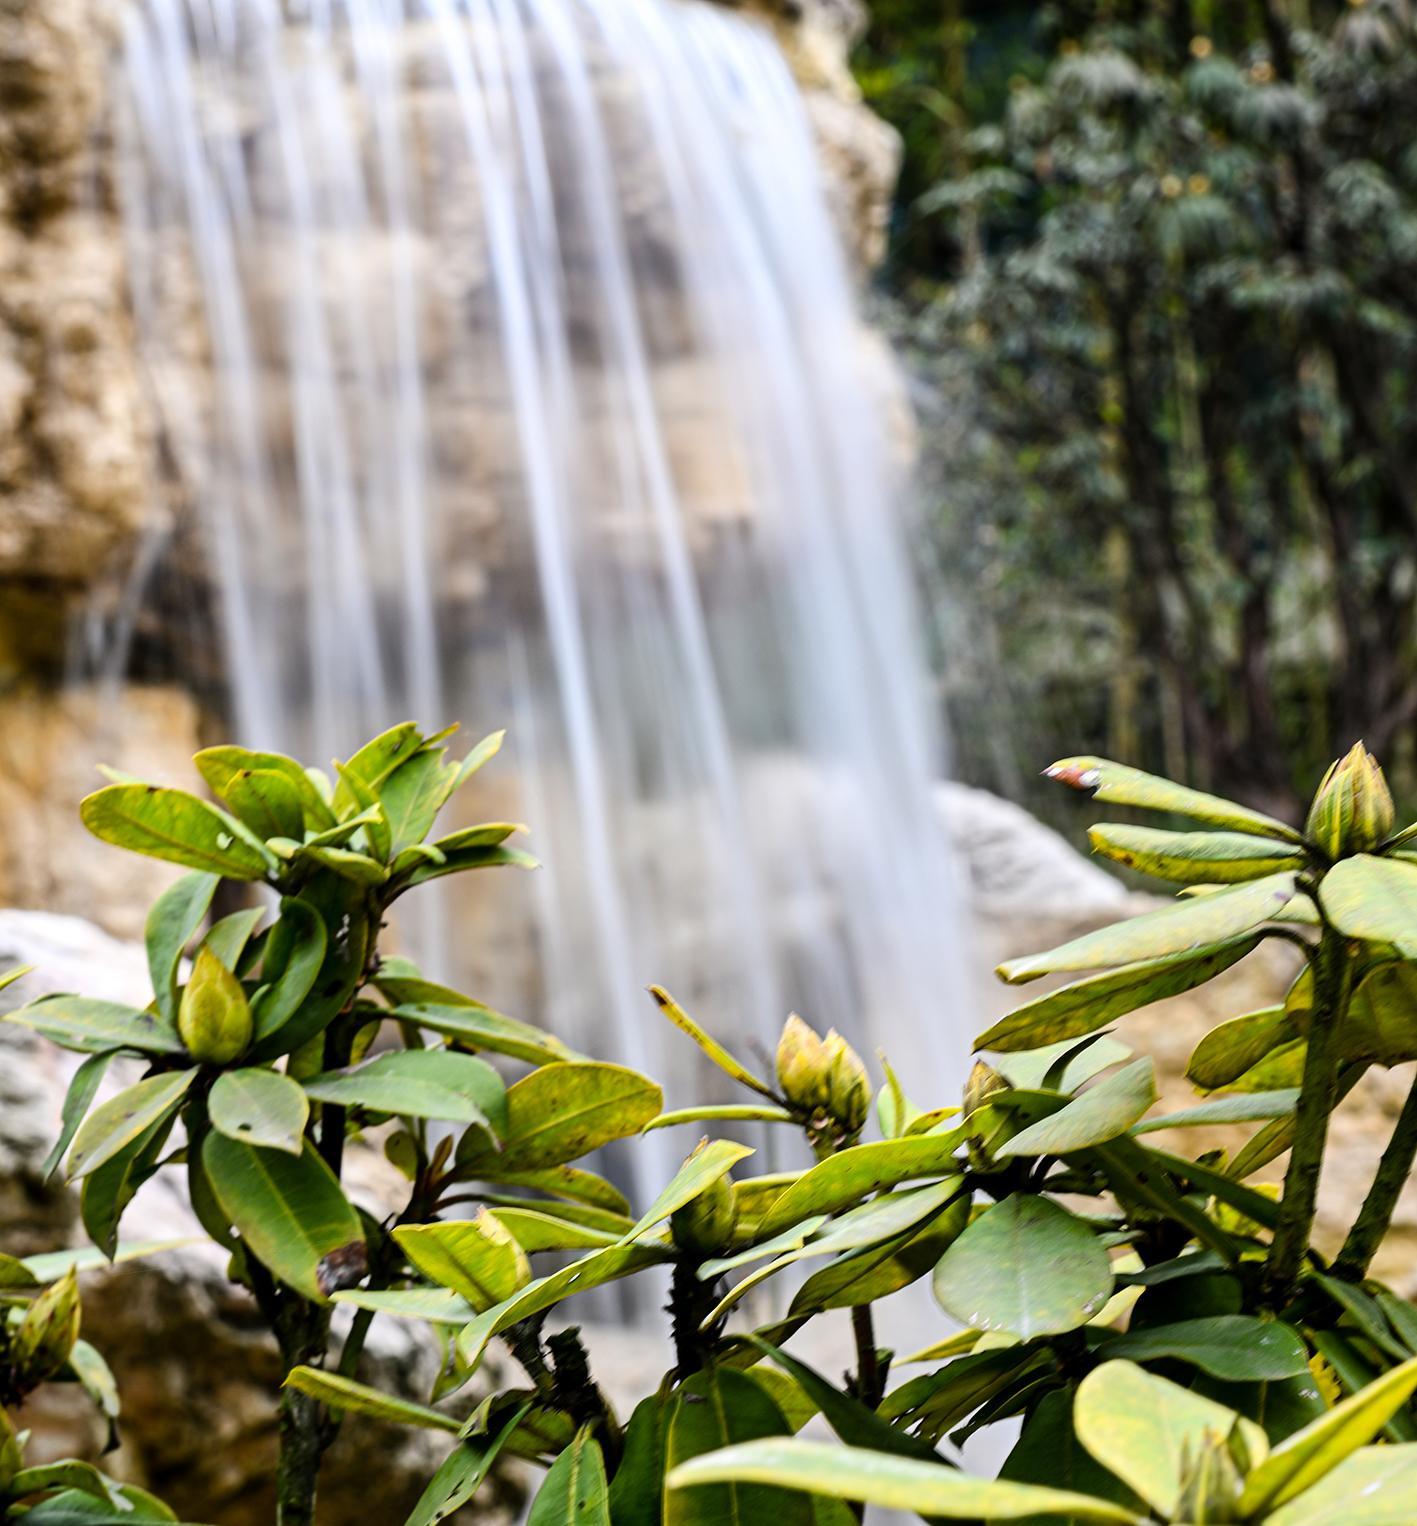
point(509, 356)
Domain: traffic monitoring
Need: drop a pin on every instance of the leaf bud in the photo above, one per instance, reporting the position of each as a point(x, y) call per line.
point(849, 1086)
point(983, 1082)
point(214, 1018)
point(803, 1066)
point(1352, 811)
point(704, 1225)
point(48, 1331)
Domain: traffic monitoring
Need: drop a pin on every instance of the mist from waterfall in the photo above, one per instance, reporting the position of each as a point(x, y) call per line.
point(509, 354)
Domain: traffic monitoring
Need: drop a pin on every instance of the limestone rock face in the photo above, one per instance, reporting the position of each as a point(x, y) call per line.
point(198, 1374)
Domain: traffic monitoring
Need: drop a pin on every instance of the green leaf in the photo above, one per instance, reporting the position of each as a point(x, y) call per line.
point(259, 1107)
point(345, 1394)
point(708, 1164)
point(436, 1306)
point(74, 1507)
point(1146, 1429)
point(172, 924)
point(853, 1422)
point(565, 1110)
point(790, 1239)
point(470, 1024)
point(1026, 1266)
point(1116, 784)
point(889, 1221)
point(270, 803)
point(412, 796)
point(1194, 858)
point(88, 1026)
point(228, 938)
point(535, 1231)
point(893, 1483)
point(636, 1491)
point(714, 1409)
point(1299, 1462)
point(1037, 1069)
point(83, 1087)
point(728, 1112)
point(1244, 1108)
point(420, 1083)
point(1086, 1005)
point(574, 1491)
point(1100, 1113)
point(290, 1211)
point(122, 1119)
point(876, 1271)
point(1236, 1347)
point(295, 955)
point(220, 766)
point(69, 1473)
point(1373, 1487)
point(357, 868)
point(1374, 899)
point(1228, 1051)
point(591, 1271)
point(109, 1188)
point(576, 1186)
point(1184, 927)
point(96, 1379)
point(477, 1258)
point(52, 1265)
point(1380, 1025)
point(850, 1175)
point(173, 825)
point(710, 1045)
point(1048, 1452)
point(462, 1474)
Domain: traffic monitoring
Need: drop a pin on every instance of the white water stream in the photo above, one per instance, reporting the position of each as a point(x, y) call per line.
point(510, 354)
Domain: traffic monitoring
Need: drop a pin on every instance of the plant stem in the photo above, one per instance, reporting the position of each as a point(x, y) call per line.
point(303, 1330)
point(1332, 964)
point(1371, 1225)
point(870, 1376)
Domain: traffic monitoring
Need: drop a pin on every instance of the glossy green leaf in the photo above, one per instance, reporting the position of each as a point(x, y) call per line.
point(1374, 899)
point(469, 1023)
point(1116, 784)
point(420, 1083)
point(116, 1123)
point(83, 1088)
point(74, 1507)
point(1381, 1024)
point(636, 1491)
point(876, 1271)
point(892, 1483)
point(855, 1173)
point(574, 1491)
point(1305, 1457)
point(295, 955)
point(1236, 1347)
point(726, 1112)
point(1245, 1108)
point(220, 766)
point(575, 1186)
point(1184, 927)
point(89, 1026)
point(436, 1306)
point(259, 1107)
point(1086, 1005)
point(268, 802)
point(1146, 1429)
point(477, 1258)
point(580, 1276)
point(1228, 1051)
point(1034, 1069)
point(357, 868)
point(535, 1231)
point(462, 1474)
point(49, 1266)
point(173, 825)
point(1048, 1452)
point(171, 925)
point(290, 1211)
point(852, 1421)
point(1194, 858)
point(1026, 1266)
point(788, 1240)
point(565, 1110)
point(1100, 1113)
point(714, 1409)
point(711, 1047)
point(345, 1394)
point(109, 1188)
point(463, 861)
point(710, 1163)
point(1375, 1486)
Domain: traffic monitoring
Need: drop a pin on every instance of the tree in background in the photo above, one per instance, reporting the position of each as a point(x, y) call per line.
point(1161, 286)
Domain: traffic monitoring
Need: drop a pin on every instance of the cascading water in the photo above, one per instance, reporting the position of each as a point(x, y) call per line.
point(508, 351)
